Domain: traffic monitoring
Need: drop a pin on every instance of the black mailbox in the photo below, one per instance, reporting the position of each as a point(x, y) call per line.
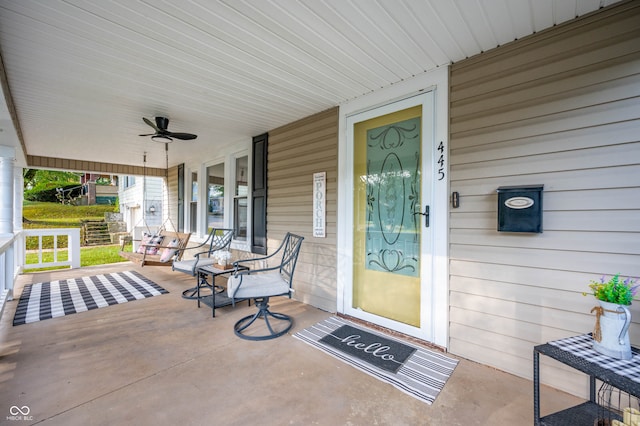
point(520, 208)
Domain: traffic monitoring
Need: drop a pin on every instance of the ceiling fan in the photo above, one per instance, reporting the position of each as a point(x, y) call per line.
point(162, 134)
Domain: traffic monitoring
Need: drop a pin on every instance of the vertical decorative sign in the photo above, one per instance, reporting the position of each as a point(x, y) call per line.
point(319, 203)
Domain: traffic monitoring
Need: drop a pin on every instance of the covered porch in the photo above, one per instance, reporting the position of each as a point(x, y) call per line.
point(163, 361)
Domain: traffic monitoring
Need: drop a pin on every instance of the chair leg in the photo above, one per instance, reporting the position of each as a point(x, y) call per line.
point(262, 304)
point(193, 293)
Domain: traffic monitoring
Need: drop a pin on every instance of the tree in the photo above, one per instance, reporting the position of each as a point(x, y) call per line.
point(42, 185)
point(47, 179)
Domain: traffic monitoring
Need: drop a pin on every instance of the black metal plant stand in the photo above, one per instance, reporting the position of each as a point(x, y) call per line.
point(617, 391)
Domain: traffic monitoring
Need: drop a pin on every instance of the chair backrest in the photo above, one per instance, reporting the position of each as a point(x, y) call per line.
point(290, 249)
point(220, 239)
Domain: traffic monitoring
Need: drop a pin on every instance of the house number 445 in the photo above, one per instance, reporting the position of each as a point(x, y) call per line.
point(441, 161)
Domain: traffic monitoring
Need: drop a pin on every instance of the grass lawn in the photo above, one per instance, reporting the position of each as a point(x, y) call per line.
point(38, 215)
point(89, 256)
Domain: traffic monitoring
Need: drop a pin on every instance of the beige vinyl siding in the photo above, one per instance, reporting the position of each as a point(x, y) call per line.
point(171, 197)
point(560, 108)
point(295, 152)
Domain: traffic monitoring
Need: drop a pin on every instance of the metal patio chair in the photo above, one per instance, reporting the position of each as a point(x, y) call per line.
point(218, 239)
point(261, 284)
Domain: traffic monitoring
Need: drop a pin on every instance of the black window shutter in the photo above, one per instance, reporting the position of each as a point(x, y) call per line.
point(181, 198)
point(259, 194)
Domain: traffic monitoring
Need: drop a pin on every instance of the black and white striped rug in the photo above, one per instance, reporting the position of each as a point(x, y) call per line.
point(53, 299)
point(422, 373)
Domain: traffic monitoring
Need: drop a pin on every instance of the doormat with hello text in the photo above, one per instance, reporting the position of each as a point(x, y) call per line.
point(417, 371)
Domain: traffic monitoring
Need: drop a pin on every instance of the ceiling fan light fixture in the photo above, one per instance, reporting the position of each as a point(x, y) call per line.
point(161, 138)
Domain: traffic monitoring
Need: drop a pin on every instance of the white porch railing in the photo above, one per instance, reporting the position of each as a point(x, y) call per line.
point(71, 252)
point(13, 254)
point(8, 268)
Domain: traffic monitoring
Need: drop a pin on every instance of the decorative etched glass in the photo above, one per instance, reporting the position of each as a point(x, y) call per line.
point(393, 196)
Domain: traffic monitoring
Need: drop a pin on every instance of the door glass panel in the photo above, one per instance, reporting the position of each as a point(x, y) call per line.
point(387, 164)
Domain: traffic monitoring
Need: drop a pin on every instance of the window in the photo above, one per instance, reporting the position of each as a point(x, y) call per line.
point(128, 181)
point(193, 205)
point(240, 198)
point(215, 196)
point(220, 197)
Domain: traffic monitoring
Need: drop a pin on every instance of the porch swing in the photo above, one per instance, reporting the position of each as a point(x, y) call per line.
point(163, 247)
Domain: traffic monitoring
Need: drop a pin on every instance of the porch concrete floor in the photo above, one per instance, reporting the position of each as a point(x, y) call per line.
point(162, 361)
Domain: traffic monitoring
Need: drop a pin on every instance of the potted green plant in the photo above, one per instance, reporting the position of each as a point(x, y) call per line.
point(611, 332)
point(614, 290)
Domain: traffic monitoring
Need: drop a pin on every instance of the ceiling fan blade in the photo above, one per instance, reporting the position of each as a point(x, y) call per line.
point(150, 123)
point(149, 134)
point(183, 136)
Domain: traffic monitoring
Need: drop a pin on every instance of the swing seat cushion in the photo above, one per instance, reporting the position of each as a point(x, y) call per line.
point(157, 254)
point(154, 244)
point(150, 243)
point(170, 250)
point(144, 242)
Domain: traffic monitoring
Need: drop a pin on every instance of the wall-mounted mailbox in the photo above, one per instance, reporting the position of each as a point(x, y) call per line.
point(520, 208)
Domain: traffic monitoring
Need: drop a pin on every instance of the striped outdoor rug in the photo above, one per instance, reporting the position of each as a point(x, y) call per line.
point(422, 374)
point(53, 299)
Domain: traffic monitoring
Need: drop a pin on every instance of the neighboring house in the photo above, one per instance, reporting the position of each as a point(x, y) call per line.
point(141, 201)
point(95, 193)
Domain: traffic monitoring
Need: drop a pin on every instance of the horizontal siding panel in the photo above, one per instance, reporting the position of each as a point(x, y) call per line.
point(543, 316)
point(301, 227)
point(513, 328)
point(551, 372)
point(618, 177)
point(302, 167)
point(595, 115)
point(591, 158)
point(562, 85)
point(523, 275)
point(541, 294)
point(573, 139)
point(556, 66)
point(594, 263)
point(602, 220)
point(302, 153)
point(560, 102)
point(309, 140)
point(515, 347)
point(623, 242)
point(299, 194)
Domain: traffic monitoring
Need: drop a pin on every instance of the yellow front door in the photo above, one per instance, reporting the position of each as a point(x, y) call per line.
point(388, 224)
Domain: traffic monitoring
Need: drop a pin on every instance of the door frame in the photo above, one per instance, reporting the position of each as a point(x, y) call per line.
point(437, 83)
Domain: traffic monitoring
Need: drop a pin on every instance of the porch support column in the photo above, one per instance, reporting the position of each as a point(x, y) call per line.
point(7, 202)
point(18, 195)
point(7, 166)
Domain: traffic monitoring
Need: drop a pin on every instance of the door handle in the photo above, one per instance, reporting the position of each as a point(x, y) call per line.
point(425, 214)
